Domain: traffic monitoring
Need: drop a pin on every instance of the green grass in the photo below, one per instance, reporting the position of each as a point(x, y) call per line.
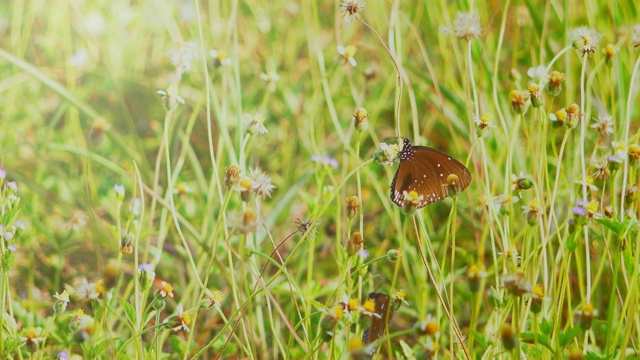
point(546, 267)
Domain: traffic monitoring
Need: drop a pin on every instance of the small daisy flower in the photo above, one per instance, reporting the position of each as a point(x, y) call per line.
point(62, 300)
point(428, 327)
point(536, 95)
point(410, 201)
point(538, 74)
point(557, 118)
point(398, 299)
point(119, 190)
point(585, 40)
point(519, 101)
point(589, 184)
point(635, 35)
point(467, 26)
point(609, 52)
point(244, 222)
point(483, 125)
point(180, 321)
point(255, 124)
point(271, 78)
point(87, 291)
point(619, 149)
point(220, 57)
point(126, 243)
point(532, 211)
point(351, 9)
point(261, 183)
point(349, 306)
point(603, 124)
point(502, 203)
point(386, 154)
point(634, 154)
point(573, 115)
point(474, 276)
point(368, 308)
point(585, 316)
point(332, 317)
point(602, 168)
point(165, 290)
point(211, 299)
point(183, 189)
point(537, 295)
point(32, 339)
point(170, 98)
point(183, 55)
point(13, 186)
point(517, 283)
point(347, 54)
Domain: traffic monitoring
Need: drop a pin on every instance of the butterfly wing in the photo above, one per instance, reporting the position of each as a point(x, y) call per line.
point(426, 172)
point(378, 326)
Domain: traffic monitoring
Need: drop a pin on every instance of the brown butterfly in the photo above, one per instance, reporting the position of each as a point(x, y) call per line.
point(384, 308)
point(425, 171)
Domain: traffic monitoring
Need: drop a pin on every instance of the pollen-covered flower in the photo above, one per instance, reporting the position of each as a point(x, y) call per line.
point(508, 337)
point(483, 124)
point(532, 211)
point(261, 183)
point(557, 118)
point(165, 290)
point(349, 306)
point(62, 300)
point(573, 115)
point(231, 176)
point(126, 243)
point(602, 168)
point(182, 189)
point(537, 295)
point(519, 101)
point(211, 299)
point(609, 52)
point(502, 203)
point(467, 25)
point(398, 298)
point(410, 201)
point(360, 119)
point(588, 183)
point(634, 154)
point(255, 124)
point(619, 149)
point(368, 309)
point(347, 54)
point(603, 124)
point(179, 321)
point(585, 40)
point(386, 154)
point(536, 95)
point(353, 206)
point(428, 327)
point(355, 243)
point(554, 86)
point(32, 339)
point(220, 57)
point(351, 8)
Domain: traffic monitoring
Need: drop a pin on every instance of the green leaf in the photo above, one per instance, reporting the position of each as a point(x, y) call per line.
point(535, 338)
point(129, 311)
point(546, 326)
point(566, 337)
point(611, 224)
point(629, 262)
point(99, 348)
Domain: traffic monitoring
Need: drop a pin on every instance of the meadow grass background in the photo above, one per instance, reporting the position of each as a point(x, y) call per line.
point(101, 174)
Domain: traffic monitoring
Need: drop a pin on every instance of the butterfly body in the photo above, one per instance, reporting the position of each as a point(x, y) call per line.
point(425, 171)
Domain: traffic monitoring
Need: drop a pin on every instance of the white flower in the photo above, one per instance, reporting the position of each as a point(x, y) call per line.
point(635, 35)
point(351, 8)
point(467, 25)
point(603, 124)
point(183, 55)
point(347, 53)
point(585, 40)
point(80, 59)
point(538, 74)
point(261, 182)
point(255, 124)
point(220, 57)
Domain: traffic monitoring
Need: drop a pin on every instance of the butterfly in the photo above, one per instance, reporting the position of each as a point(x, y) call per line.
point(376, 330)
point(425, 171)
